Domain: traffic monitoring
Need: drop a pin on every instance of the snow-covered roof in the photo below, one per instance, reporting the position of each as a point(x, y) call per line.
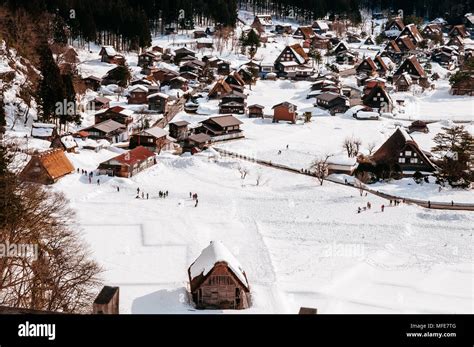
point(156, 132)
point(367, 115)
point(161, 95)
point(322, 25)
point(68, 142)
point(212, 254)
point(42, 132)
point(43, 125)
point(138, 87)
point(265, 19)
point(342, 160)
point(298, 56)
point(204, 40)
point(110, 51)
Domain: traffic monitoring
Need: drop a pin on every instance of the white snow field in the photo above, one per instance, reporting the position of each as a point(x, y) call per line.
point(299, 243)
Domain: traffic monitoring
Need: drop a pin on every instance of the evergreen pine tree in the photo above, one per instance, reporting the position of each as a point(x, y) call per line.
point(51, 89)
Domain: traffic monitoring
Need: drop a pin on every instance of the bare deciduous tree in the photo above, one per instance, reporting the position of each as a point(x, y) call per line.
point(371, 147)
point(320, 168)
point(58, 276)
point(352, 146)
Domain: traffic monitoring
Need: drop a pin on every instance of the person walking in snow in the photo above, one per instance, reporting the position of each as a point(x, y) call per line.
point(147, 196)
point(429, 204)
point(138, 190)
point(166, 193)
point(190, 195)
point(279, 152)
point(118, 189)
point(358, 209)
point(197, 201)
point(143, 195)
point(98, 182)
point(383, 207)
point(287, 146)
point(368, 205)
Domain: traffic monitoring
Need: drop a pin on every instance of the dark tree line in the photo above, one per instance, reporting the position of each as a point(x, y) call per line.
point(452, 10)
point(126, 24)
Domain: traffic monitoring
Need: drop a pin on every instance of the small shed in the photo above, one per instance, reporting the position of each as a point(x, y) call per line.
point(65, 142)
point(179, 130)
point(107, 302)
point(255, 111)
point(284, 111)
point(218, 281)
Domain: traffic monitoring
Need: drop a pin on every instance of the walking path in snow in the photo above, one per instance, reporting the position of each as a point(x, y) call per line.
point(419, 202)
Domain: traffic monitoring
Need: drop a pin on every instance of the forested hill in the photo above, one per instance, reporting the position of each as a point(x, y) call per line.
point(130, 24)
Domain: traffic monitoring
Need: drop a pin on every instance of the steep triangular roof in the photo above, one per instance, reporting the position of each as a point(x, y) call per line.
point(215, 253)
point(390, 149)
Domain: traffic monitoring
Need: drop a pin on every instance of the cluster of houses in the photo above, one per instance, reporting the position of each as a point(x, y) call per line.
point(402, 63)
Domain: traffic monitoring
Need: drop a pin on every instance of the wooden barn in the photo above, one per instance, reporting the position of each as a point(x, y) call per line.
point(158, 102)
point(99, 103)
point(65, 142)
point(304, 32)
point(147, 59)
point(137, 95)
point(413, 33)
point(117, 113)
point(223, 67)
point(218, 281)
point(219, 89)
point(154, 139)
point(128, 164)
point(290, 60)
point(255, 111)
point(378, 98)
point(109, 55)
point(401, 153)
point(412, 66)
point(92, 82)
point(221, 127)
point(284, 111)
point(234, 79)
point(333, 102)
point(47, 167)
point(109, 130)
point(367, 66)
point(197, 142)
point(179, 130)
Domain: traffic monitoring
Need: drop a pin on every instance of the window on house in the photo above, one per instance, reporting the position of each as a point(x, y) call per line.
point(401, 160)
point(413, 160)
point(407, 153)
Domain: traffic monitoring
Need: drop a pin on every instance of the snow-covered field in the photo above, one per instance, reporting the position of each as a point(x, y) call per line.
point(300, 244)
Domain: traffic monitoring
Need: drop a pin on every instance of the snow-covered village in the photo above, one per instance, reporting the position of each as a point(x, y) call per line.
point(237, 157)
